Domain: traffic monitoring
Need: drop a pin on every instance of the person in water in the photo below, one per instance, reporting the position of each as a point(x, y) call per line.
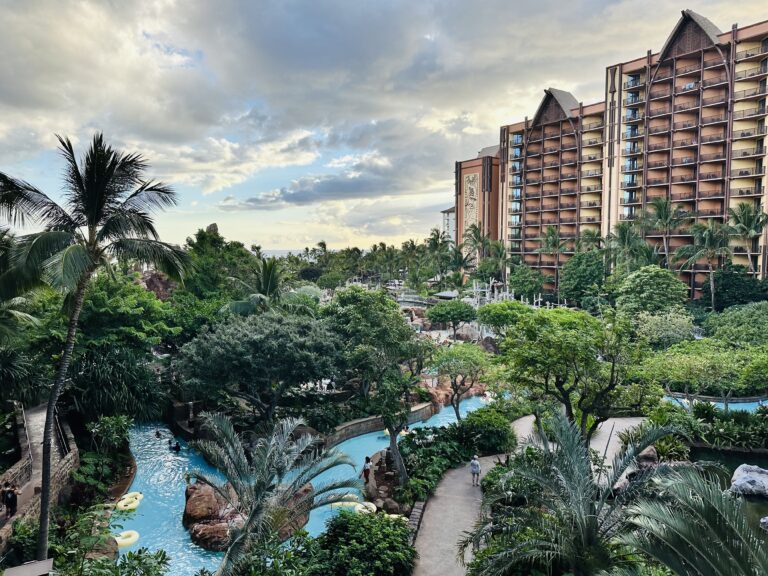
point(158, 434)
point(366, 474)
point(176, 447)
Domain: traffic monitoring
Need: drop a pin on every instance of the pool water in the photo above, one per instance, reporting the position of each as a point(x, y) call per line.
point(742, 406)
point(160, 476)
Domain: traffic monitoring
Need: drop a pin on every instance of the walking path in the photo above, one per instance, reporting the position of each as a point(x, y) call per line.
point(454, 507)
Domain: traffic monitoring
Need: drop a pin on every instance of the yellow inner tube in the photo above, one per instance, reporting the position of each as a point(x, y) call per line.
point(345, 504)
point(128, 504)
point(137, 495)
point(127, 538)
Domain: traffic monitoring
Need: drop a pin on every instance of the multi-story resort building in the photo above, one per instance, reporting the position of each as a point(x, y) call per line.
point(477, 198)
point(686, 123)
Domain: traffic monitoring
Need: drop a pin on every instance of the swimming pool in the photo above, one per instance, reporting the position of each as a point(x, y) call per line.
point(160, 476)
point(742, 406)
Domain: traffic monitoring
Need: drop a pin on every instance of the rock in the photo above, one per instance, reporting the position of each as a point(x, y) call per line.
point(212, 228)
point(211, 536)
point(383, 492)
point(391, 507)
point(202, 504)
point(106, 549)
point(379, 503)
point(287, 530)
point(750, 481)
point(764, 523)
point(648, 457)
point(157, 282)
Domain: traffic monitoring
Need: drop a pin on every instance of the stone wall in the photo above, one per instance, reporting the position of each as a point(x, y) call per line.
point(21, 472)
point(362, 426)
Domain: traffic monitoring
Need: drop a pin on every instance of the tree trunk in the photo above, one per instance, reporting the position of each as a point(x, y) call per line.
point(402, 472)
point(711, 284)
point(58, 385)
point(455, 401)
point(749, 257)
point(665, 239)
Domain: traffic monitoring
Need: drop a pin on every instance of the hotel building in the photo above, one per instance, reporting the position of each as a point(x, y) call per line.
point(686, 123)
point(477, 201)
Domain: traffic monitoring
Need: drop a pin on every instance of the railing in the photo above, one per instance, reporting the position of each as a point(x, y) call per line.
point(630, 200)
point(592, 126)
point(748, 113)
point(684, 142)
point(683, 196)
point(749, 133)
point(633, 150)
point(657, 182)
point(589, 219)
point(711, 212)
point(61, 437)
point(568, 161)
point(658, 146)
point(713, 119)
point(749, 92)
point(592, 158)
point(658, 164)
point(593, 142)
point(551, 164)
point(744, 152)
point(748, 191)
point(21, 472)
point(568, 205)
point(712, 138)
point(712, 62)
point(683, 160)
point(685, 124)
point(719, 99)
point(567, 190)
point(631, 167)
point(713, 81)
point(711, 176)
point(634, 83)
point(634, 117)
point(712, 156)
point(686, 106)
point(690, 68)
point(630, 101)
point(683, 178)
point(568, 176)
point(752, 52)
point(591, 204)
point(633, 134)
point(661, 110)
point(627, 216)
point(590, 173)
point(597, 188)
point(688, 87)
point(660, 94)
point(627, 185)
point(748, 172)
point(711, 193)
point(658, 129)
point(750, 72)
point(663, 74)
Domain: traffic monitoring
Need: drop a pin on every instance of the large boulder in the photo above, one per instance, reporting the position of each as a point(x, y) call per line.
point(203, 503)
point(287, 531)
point(750, 480)
point(211, 536)
point(648, 458)
point(391, 507)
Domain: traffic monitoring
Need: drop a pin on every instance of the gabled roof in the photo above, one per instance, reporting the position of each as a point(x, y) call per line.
point(489, 151)
point(710, 31)
point(562, 99)
point(448, 210)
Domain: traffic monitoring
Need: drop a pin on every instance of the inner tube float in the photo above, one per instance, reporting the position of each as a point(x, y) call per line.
point(365, 508)
point(345, 504)
point(126, 504)
point(137, 495)
point(126, 538)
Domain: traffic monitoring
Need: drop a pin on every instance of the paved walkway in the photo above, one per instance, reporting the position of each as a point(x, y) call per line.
point(454, 507)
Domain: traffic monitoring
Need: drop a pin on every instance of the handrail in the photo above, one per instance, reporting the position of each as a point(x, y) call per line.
point(61, 437)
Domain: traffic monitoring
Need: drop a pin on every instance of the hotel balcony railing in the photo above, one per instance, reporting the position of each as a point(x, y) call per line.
point(748, 191)
point(531, 234)
point(630, 200)
point(568, 161)
point(632, 134)
point(551, 163)
point(683, 178)
point(711, 176)
point(634, 83)
point(741, 94)
point(632, 150)
point(514, 168)
point(593, 142)
point(565, 191)
point(568, 176)
point(657, 181)
point(684, 142)
point(686, 69)
point(633, 101)
point(718, 193)
point(687, 87)
point(592, 158)
point(591, 204)
point(534, 152)
point(750, 112)
point(568, 145)
point(658, 129)
point(712, 156)
point(685, 125)
point(710, 212)
point(747, 152)
point(549, 220)
point(589, 219)
point(532, 221)
point(567, 221)
point(532, 194)
point(678, 196)
point(749, 133)
point(632, 167)
point(551, 135)
point(595, 188)
point(751, 72)
point(549, 193)
point(742, 172)
point(550, 149)
point(549, 208)
point(658, 146)
point(722, 79)
point(629, 185)
point(568, 205)
point(592, 126)
point(567, 130)
point(659, 111)
point(716, 119)
point(683, 160)
point(536, 137)
point(710, 100)
point(663, 74)
point(659, 94)
point(633, 117)
point(591, 173)
point(712, 62)
point(656, 164)
point(686, 106)
point(751, 52)
point(554, 178)
point(712, 138)
point(627, 216)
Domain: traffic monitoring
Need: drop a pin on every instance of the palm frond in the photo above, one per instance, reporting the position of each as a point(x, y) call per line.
point(19, 201)
point(167, 258)
point(125, 223)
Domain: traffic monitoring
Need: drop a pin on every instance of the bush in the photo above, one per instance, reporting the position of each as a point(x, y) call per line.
point(582, 276)
point(501, 478)
point(665, 329)
point(734, 285)
point(651, 289)
point(487, 431)
point(740, 325)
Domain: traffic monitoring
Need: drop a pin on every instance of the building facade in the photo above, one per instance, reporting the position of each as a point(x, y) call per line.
point(686, 123)
point(476, 191)
point(449, 222)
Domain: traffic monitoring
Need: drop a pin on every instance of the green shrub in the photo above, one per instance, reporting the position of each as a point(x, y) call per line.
point(501, 479)
point(487, 431)
point(740, 325)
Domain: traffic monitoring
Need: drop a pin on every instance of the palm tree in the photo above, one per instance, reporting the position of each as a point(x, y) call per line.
point(552, 244)
point(664, 217)
point(696, 529)
point(497, 252)
point(574, 524)
point(589, 240)
point(265, 292)
point(459, 259)
point(106, 217)
point(269, 477)
point(476, 241)
point(710, 243)
point(438, 246)
point(625, 244)
point(748, 221)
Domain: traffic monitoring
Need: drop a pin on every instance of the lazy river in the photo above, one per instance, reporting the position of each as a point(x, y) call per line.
point(160, 477)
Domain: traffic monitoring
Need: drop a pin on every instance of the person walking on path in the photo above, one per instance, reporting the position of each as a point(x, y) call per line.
point(474, 468)
point(3, 492)
point(366, 469)
point(11, 501)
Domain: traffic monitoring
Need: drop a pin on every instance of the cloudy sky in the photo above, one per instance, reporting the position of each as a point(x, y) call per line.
point(290, 122)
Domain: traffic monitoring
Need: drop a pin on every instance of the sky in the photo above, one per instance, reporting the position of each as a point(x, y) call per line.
point(289, 122)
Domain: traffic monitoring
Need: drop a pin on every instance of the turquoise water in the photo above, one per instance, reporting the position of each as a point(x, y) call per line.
point(160, 476)
point(743, 406)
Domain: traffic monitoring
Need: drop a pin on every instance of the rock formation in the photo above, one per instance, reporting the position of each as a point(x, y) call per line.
point(750, 480)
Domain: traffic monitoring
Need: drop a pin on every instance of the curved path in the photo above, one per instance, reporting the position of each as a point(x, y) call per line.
point(453, 509)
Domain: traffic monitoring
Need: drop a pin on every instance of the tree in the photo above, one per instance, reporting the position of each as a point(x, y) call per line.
point(331, 280)
point(651, 289)
point(664, 329)
point(451, 312)
point(696, 529)
point(663, 216)
point(460, 260)
point(259, 358)
point(263, 293)
point(740, 325)
point(438, 247)
point(501, 316)
point(735, 286)
point(552, 244)
point(747, 221)
point(375, 337)
point(710, 243)
point(589, 240)
point(569, 492)
point(582, 276)
point(107, 216)
point(268, 477)
point(462, 364)
point(392, 403)
point(526, 282)
point(626, 248)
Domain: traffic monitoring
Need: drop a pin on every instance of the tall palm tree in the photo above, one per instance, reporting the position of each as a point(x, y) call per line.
point(552, 244)
point(663, 216)
point(710, 243)
point(106, 216)
point(748, 221)
point(265, 292)
point(475, 240)
point(625, 244)
point(589, 240)
point(268, 477)
point(696, 529)
point(577, 518)
point(497, 252)
point(460, 260)
point(438, 247)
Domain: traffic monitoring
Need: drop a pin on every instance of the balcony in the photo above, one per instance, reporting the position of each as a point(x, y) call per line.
point(686, 106)
point(568, 176)
point(591, 204)
point(625, 200)
point(632, 118)
point(568, 161)
point(659, 111)
point(663, 74)
point(704, 176)
point(568, 205)
point(659, 94)
point(550, 178)
point(633, 150)
point(722, 79)
point(751, 93)
point(713, 62)
point(751, 72)
point(551, 164)
point(713, 100)
point(748, 133)
point(663, 181)
point(591, 173)
point(592, 158)
point(715, 119)
point(747, 172)
point(658, 129)
point(568, 145)
point(567, 191)
point(656, 164)
point(549, 208)
point(592, 126)
point(634, 83)
point(633, 101)
point(684, 178)
point(550, 149)
point(630, 185)
point(717, 193)
point(712, 157)
point(533, 181)
point(567, 130)
point(548, 135)
point(749, 113)
point(658, 146)
point(588, 219)
point(748, 152)
point(532, 221)
point(685, 88)
point(688, 69)
point(632, 134)
point(593, 142)
point(747, 191)
point(682, 196)
point(532, 194)
point(686, 125)
point(594, 188)
point(549, 221)
point(627, 168)
point(685, 143)
point(567, 221)
point(712, 138)
point(627, 216)
point(683, 160)
point(548, 193)
point(752, 52)
point(709, 212)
